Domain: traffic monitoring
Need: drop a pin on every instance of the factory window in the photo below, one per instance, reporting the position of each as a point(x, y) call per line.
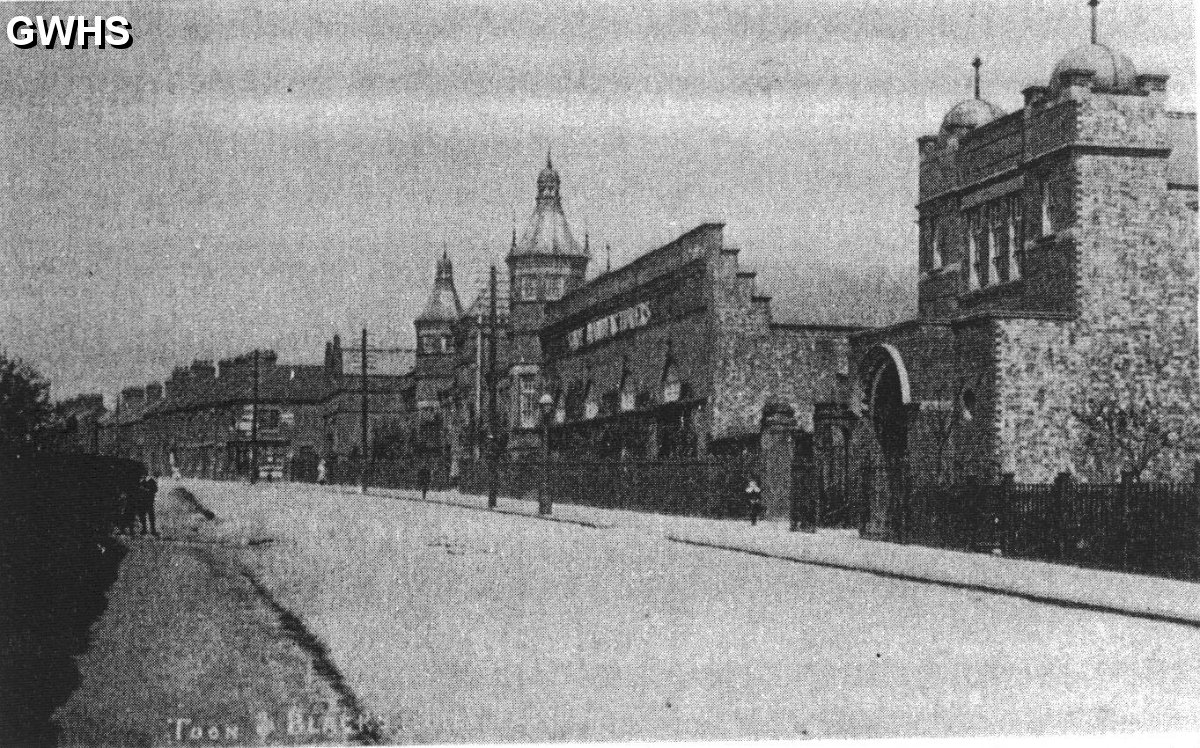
point(968, 405)
point(1047, 223)
point(560, 408)
point(939, 245)
point(591, 408)
point(974, 246)
point(934, 246)
point(528, 399)
point(998, 243)
point(672, 387)
point(529, 287)
point(554, 288)
point(1016, 236)
point(628, 391)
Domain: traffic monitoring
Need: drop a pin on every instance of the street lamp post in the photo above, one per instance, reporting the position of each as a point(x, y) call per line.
point(254, 423)
point(545, 503)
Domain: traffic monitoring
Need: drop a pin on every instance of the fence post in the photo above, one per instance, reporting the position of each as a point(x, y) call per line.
point(776, 454)
point(1193, 568)
point(709, 497)
point(866, 499)
point(1061, 496)
point(1126, 490)
point(1005, 516)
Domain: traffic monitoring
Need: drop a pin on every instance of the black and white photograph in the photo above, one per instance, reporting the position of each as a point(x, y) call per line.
point(529, 372)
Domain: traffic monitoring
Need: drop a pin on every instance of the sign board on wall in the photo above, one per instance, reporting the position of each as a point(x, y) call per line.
point(610, 325)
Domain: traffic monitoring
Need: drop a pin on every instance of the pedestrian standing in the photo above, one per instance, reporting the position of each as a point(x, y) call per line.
point(423, 479)
point(322, 472)
point(145, 494)
point(754, 499)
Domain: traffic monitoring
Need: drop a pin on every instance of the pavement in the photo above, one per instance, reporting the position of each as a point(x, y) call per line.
point(1136, 595)
point(189, 651)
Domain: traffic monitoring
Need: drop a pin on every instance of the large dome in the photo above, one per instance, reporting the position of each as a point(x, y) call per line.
point(1113, 71)
point(970, 114)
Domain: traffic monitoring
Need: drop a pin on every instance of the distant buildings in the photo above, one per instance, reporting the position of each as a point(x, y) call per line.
point(204, 421)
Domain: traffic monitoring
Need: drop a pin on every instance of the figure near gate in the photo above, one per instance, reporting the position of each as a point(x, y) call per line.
point(754, 499)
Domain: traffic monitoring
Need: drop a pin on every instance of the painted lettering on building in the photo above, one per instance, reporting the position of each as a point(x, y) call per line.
point(609, 325)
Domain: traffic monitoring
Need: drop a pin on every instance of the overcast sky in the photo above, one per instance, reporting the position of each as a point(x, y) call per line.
point(271, 173)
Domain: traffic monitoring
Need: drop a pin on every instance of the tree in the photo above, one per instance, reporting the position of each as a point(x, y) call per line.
point(1130, 433)
point(25, 410)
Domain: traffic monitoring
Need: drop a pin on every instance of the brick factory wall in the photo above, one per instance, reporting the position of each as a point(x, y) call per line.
point(799, 366)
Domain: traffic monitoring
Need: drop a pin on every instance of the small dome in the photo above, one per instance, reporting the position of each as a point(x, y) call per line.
point(970, 114)
point(1113, 71)
point(548, 181)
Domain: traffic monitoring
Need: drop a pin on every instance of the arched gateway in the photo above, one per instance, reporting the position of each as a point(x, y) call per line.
point(888, 396)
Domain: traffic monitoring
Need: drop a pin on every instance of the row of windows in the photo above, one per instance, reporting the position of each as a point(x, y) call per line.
point(436, 344)
point(995, 238)
point(995, 242)
point(538, 288)
point(587, 404)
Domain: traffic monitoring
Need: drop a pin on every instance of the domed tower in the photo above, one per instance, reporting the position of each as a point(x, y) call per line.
point(941, 248)
point(969, 114)
point(1058, 265)
point(435, 332)
point(1095, 66)
point(545, 263)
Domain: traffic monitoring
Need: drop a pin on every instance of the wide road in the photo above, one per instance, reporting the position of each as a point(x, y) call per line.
point(460, 625)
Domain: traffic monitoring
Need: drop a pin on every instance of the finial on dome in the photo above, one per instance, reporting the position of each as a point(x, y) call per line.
point(586, 241)
point(1095, 20)
point(977, 63)
point(607, 257)
point(549, 163)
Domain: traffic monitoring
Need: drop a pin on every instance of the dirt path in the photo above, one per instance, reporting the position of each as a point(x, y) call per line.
point(190, 653)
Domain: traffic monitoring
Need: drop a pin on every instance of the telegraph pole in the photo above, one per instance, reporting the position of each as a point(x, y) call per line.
point(363, 464)
point(254, 422)
point(493, 447)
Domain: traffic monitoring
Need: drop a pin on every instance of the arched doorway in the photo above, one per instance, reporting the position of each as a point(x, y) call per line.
point(888, 398)
point(889, 415)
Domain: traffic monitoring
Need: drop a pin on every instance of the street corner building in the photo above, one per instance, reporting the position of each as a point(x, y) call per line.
point(1058, 277)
